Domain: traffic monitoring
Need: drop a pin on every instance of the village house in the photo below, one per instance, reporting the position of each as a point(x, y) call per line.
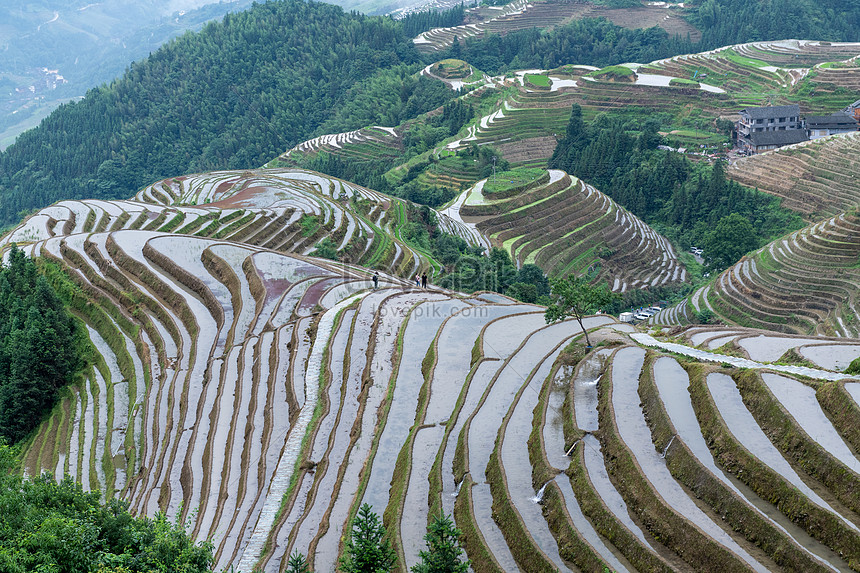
point(763, 128)
point(853, 109)
point(824, 125)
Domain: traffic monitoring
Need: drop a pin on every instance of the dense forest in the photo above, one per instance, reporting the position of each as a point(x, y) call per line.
point(681, 199)
point(724, 22)
point(592, 41)
point(39, 346)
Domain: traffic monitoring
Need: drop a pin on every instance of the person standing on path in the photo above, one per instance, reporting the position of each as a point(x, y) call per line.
point(417, 280)
point(424, 280)
point(375, 280)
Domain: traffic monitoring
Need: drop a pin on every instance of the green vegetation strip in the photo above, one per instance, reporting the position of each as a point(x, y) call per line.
point(794, 443)
point(768, 484)
point(739, 515)
point(590, 502)
point(472, 541)
point(672, 529)
point(842, 410)
point(174, 223)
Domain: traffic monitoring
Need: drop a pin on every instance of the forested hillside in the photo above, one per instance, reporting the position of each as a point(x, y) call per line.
point(234, 95)
point(724, 22)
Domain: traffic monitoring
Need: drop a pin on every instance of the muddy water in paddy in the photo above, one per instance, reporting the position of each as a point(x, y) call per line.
point(455, 354)
point(770, 348)
point(483, 375)
point(309, 513)
point(799, 399)
point(482, 502)
point(502, 338)
point(736, 416)
point(717, 342)
point(585, 391)
point(391, 315)
point(455, 343)
point(585, 405)
point(673, 384)
point(419, 334)
point(700, 337)
point(599, 478)
point(853, 388)
point(586, 530)
point(553, 429)
point(634, 432)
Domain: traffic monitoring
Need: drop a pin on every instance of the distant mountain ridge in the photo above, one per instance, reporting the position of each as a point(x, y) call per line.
point(54, 51)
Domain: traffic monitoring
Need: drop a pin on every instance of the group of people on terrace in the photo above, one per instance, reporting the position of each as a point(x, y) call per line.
point(420, 280)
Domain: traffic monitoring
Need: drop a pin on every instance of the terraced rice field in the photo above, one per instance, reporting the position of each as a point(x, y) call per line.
point(805, 283)
point(517, 15)
point(286, 210)
point(798, 53)
point(543, 14)
point(567, 226)
point(263, 396)
point(817, 178)
point(369, 143)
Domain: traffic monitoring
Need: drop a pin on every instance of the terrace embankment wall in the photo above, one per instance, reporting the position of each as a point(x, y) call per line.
point(796, 444)
point(672, 529)
point(723, 501)
point(768, 484)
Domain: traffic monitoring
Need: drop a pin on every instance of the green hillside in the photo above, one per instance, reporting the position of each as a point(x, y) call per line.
point(233, 95)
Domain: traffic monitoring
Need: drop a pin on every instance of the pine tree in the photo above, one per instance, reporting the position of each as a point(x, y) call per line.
point(298, 563)
point(443, 549)
point(367, 551)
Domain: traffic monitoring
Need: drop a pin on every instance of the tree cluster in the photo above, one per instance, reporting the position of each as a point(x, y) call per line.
point(39, 346)
point(686, 201)
point(725, 22)
point(593, 41)
point(368, 549)
point(414, 24)
point(472, 271)
point(51, 526)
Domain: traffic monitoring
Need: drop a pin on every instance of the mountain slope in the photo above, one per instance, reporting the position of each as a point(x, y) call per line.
point(232, 96)
point(54, 51)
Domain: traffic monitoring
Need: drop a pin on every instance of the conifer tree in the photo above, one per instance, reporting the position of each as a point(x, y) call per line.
point(367, 550)
point(443, 549)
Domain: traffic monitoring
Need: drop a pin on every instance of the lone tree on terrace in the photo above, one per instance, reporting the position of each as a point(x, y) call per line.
point(443, 549)
point(366, 550)
point(576, 297)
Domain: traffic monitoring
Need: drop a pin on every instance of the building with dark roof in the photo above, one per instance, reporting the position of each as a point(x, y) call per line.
point(853, 109)
point(824, 125)
point(767, 140)
point(775, 118)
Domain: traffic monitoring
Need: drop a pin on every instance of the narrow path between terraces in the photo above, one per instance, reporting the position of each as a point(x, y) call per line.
point(648, 340)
